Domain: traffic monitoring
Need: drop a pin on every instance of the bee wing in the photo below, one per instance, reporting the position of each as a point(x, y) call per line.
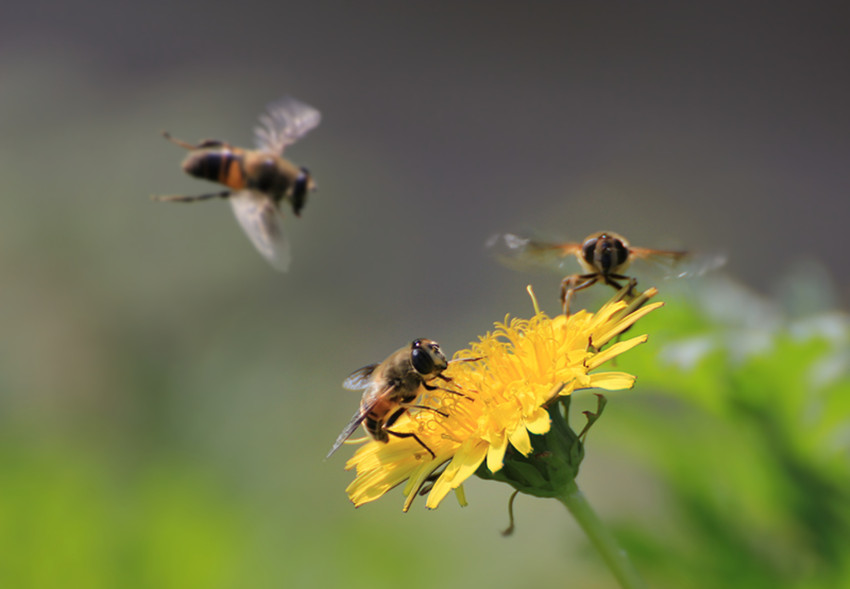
point(679, 264)
point(659, 257)
point(525, 253)
point(284, 123)
point(360, 378)
point(352, 426)
point(261, 221)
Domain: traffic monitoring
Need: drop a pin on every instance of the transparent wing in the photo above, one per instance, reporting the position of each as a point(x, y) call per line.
point(284, 123)
point(262, 223)
point(360, 379)
point(525, 253)
point(352, 426)
point(678, 264)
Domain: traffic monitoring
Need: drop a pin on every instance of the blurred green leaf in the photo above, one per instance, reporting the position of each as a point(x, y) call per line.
point(66, 521)
point(748, 430)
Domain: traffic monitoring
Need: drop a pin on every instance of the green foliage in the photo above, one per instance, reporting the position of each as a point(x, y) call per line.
point(749, 432)
point(67, 521)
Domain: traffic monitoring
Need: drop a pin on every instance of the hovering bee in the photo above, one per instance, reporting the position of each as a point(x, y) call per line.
point(604, 256)
point(259, 179)
point(391, 387)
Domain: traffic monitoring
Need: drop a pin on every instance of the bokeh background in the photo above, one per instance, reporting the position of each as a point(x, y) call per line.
point(166, 399)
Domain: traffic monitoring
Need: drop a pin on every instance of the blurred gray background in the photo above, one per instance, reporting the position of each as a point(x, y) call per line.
point(142, 337)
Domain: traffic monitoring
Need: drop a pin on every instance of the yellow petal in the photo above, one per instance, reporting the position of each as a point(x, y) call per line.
point(496, 453)
point(614, 351)
point(519, 439)
point(540, 423)
point(612, 381)
point(411, 489)
point(621, 326)
point(461, 496)
point(463, 466)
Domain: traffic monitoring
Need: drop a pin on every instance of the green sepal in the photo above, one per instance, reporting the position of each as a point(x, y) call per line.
point(554, 459)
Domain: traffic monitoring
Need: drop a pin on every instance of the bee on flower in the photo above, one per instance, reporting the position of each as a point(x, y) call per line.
point(391, 388)
point(525, 366)
point(603, 257)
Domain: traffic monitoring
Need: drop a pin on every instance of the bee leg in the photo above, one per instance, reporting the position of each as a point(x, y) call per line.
point(211, 143)
point(178, 142)
point(429, 481)
point(571, 284)
point(415, 437)
point(406, 406)
point(430, 387)
point(609, 280)
point(476, 359)
point(186, 198)
point(629, 291)
point(629, 294)
point(394, 417)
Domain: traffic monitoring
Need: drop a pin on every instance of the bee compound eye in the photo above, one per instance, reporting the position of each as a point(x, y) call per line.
point(300, 190)
point(621, 251)
point(422, 361)
point(588, 251)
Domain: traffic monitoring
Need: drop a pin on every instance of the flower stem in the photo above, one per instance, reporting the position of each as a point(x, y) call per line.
point(615, 557)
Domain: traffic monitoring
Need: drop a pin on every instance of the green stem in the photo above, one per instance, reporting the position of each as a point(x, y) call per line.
point(615, 557)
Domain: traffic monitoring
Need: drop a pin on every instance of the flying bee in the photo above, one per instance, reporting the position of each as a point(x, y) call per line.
point(391, 387)
point(603, 256)
point(260, 179)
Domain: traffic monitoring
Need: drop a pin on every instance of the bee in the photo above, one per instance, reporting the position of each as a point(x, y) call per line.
point(391, 387)
point(604, 258)
point(260, 179)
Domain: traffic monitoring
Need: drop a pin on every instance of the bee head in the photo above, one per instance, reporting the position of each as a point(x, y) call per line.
point(203, 164)
point(304, 183)
point(605, 252)
point(427, 358)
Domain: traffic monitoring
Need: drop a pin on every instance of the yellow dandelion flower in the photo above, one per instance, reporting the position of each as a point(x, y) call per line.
point(523, 365)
